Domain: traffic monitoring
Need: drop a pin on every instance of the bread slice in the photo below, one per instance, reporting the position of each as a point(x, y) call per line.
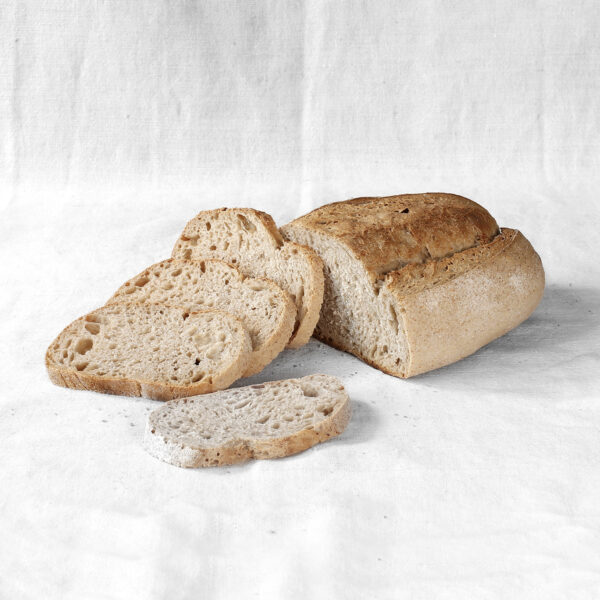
point(416, 282)
point(269, 420)
point(150, 350)
point(264, 308)
point(250, 240)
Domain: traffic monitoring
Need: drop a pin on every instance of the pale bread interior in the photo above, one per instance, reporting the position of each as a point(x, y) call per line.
point(255, 421)
point(154, 344)
point(250, 241)
point(266, 310)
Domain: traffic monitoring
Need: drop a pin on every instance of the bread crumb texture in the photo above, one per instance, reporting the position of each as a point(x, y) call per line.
point(250, 240)
point(264, 308)
point(152, 350)
point(268, 420)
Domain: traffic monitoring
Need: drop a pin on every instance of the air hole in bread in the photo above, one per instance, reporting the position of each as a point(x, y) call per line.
point(176, 273)
point(327, 411)
point(93, 319)
point(142, 281)
point(246, 224)
point(93, 328)
point(394, 318)
point(84, 345)
point(187, 254)
point(81, 366)
point(197, 377)
point(184, 316)
point(207, 225)
point(197, 361)
point(310, 393)
point(213, 247)
point(167, 286)
point(275, 426)
point(263, 420)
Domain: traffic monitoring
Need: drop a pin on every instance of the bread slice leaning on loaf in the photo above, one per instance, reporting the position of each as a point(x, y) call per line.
point(150, 350)
point(418, 281)
point(250, 240)
point(268, 420)
point(265, 309)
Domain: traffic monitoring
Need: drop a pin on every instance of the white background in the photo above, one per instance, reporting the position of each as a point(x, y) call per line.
point(120, 120)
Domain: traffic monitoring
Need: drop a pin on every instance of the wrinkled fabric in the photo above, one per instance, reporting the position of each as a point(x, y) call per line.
point(119, 121)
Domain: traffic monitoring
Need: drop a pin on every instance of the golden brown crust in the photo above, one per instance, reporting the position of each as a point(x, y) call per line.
point(311, 306)
point(446, 322)
point(389, 232)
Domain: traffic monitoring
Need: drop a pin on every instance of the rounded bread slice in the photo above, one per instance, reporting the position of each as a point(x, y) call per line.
point(151, 350)
point(266, 310)
point(268, 420)
point(250, 240)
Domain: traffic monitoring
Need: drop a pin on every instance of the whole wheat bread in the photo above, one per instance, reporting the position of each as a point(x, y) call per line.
point(151, 350)
point(250, 240)
point(269, 420)
point(415, 282)
point(264, 308)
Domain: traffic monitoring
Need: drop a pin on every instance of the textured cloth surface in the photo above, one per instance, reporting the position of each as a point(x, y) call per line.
point(120, 120)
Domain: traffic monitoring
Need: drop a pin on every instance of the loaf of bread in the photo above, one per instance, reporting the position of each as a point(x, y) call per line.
point(416, 282)
point(268, 420)
point(266, 310)
point(151, 350)
point(250, 240)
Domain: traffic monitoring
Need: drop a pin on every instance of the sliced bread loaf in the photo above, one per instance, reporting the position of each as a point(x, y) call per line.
point(268, 420)
point(264, 308)
point(250, 240)
point(415, 282)
point(150, 350)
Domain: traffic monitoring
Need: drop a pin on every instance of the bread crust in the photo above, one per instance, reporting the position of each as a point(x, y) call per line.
point(387, 233)
point(311, 310)
point(453, 319)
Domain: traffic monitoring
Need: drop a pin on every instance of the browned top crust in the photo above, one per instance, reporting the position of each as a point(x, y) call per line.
point(390, 232)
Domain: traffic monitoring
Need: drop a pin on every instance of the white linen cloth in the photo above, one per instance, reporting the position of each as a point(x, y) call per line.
point(120, 120)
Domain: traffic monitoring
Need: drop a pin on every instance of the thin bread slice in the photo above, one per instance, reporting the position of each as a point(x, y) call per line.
point(265, 309)
point(417, 281)
point(269, 420)
point(150, 350)
point(250, 240)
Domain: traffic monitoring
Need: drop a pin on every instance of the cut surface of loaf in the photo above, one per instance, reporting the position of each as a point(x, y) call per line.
point(264, 308)
point(250, 240)
point(415, 282)
point(268, 420)
point(150, 350)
